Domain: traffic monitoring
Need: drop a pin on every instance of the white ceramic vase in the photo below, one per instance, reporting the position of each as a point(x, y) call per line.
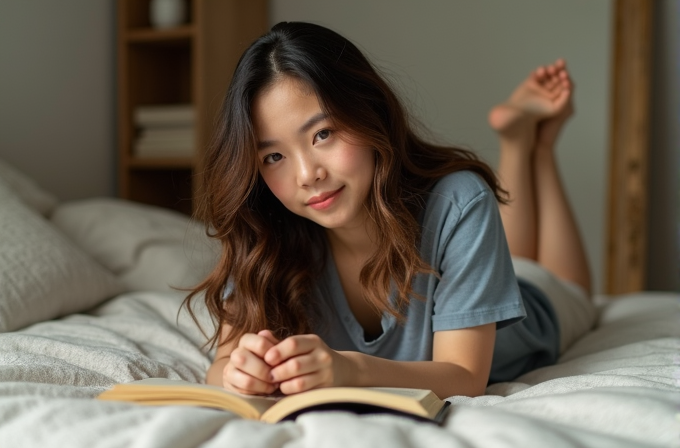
point(167, 13)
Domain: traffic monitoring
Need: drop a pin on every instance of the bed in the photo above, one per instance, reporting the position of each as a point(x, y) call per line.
point(88, 299)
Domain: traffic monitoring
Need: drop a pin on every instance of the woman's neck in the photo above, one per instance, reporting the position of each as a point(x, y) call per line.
point(357, 242)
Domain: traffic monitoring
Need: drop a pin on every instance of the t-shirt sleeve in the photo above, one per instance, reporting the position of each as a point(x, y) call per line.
point(478, 284)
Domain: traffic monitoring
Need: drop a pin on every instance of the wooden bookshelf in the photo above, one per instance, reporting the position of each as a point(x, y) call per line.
point(188, 64)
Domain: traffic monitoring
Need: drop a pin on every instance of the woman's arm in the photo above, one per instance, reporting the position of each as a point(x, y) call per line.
point(461, 365)
point(215, 373)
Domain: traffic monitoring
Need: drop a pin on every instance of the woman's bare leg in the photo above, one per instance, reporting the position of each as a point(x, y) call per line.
point(560, 246)
point(538, 222)
point(516, 123)
point(516, 174)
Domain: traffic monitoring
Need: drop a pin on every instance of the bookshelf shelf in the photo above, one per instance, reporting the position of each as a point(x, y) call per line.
point(188, 66)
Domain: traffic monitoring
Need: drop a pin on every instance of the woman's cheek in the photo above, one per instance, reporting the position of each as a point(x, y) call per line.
point(278, 186)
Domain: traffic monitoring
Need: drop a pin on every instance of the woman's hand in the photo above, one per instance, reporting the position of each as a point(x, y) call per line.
point(247, 372)
point(261, 364)
point(303, 362)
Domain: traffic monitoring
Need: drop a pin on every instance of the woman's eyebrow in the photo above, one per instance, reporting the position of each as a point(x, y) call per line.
point(311, 122)
point(315, 119)
point(265, 144)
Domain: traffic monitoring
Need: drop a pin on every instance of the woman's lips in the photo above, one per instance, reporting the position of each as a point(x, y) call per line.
point(324, 200)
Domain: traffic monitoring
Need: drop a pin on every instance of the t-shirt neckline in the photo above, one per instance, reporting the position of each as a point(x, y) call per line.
point(349, 321)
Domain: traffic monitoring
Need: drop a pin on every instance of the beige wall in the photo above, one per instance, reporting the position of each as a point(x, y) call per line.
point(57, 93)
point(454, 60)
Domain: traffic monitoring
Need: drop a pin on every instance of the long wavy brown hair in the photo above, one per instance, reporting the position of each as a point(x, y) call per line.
point(271, 257)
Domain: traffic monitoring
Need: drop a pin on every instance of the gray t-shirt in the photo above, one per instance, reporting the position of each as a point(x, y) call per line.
point(464, 241)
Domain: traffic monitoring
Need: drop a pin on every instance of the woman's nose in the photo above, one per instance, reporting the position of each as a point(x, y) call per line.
point(310, 170)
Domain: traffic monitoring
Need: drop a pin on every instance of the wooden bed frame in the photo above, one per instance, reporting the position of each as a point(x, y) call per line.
point(629, 139)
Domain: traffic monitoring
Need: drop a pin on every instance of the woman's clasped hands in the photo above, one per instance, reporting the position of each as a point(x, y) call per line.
point(261, 364)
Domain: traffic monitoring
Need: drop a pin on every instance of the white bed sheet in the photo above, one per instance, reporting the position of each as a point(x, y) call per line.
point(617, 387)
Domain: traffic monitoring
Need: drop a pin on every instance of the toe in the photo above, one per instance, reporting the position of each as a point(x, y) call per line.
point(540, 73)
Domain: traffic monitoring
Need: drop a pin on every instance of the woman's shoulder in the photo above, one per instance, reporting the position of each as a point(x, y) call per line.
point(460, 189)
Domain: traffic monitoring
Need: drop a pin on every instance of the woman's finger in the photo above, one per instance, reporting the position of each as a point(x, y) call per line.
point(249, 363)
point(268, 335)
point(244, 383)
point(256, 343)
point(291, 347)
point(316, 361)
point(303, 383)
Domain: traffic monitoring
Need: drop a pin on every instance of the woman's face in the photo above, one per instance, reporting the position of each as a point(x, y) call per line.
point(315, 170)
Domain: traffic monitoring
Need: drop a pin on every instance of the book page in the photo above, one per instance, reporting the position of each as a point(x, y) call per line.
point(416, 394)
point(159, 391)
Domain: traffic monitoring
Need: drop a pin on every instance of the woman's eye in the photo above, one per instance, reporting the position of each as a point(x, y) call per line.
point(322, 135)
point(272, 158)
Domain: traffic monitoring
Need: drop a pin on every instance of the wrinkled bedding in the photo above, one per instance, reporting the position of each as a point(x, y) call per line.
point(619, 386)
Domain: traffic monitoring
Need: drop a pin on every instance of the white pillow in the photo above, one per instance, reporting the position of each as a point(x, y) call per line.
point(27, 189)
point(42, 274)
point(147, 247)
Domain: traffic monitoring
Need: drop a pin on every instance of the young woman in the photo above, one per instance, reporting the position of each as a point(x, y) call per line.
point(355, 253)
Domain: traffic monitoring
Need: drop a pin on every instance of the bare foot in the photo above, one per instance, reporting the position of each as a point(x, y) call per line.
point(549, 128)
point(545, 94)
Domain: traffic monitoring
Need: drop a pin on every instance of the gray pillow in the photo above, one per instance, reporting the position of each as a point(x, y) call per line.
point(146, 247)
point(27, 189)
point(42, 274)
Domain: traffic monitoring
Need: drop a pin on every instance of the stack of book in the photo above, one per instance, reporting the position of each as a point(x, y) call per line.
point(165, 131)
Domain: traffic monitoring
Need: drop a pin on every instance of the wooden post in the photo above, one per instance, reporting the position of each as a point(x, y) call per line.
point(629, 146)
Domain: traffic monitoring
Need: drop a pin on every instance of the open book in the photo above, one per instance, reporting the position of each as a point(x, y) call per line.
point(416, 403)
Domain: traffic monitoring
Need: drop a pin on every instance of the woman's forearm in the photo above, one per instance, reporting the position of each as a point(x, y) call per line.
point(215, 371)
point(443, 378)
